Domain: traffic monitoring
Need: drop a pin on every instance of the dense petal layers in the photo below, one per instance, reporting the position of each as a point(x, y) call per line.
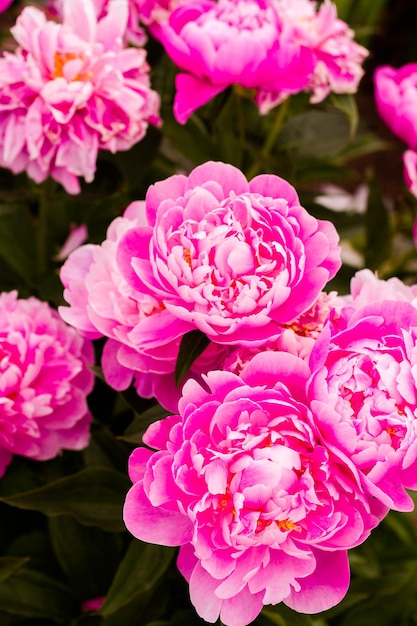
point(236, 260)
point(363, 389)
point(240, 480)
point(44, 382)
point(70, 90)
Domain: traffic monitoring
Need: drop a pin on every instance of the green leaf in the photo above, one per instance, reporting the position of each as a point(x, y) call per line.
point(88, 556)
point(315, 134)
point(17, 241)
point(135, 431)
point(378, 229)
point(29, 594)
point(346, 103)
point(9, 565)
point(281, 615)
point(136, 579)
point(93, 496)
point(192, 345)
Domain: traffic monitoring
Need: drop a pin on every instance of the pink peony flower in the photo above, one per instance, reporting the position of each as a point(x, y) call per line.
point(363, 389)
point(338, 58)
point(104, 304)
point(231, 42)
point(70, 90)
point(396, 98)
point(44, 381)
point(240, 481)
point(4, 4)
point(236, 260)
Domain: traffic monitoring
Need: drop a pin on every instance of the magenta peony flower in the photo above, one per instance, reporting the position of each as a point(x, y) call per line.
point(396, 97)
point(236, 260)
point(44, 381)
point(363, 389)
point(231, 42)
point(4, 4)
point(338, 58)
point(70, 90)
point(241, 482)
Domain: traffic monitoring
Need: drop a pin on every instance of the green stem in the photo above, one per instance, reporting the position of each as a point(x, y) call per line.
point(270, 140)
point(240, 129)
point(42, 247)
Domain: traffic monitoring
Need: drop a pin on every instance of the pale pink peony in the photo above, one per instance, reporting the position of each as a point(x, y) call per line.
point(396, 100)
point(145, 12)
point(104, 304)
point(338, 58)
point(236, 260)
point(231, 42)
point(241, 482)
point(44, 381)
point(363, 389)
point(70, 90)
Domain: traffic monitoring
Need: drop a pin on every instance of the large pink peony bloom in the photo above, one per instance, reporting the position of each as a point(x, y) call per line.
point(231, 42)
point(44, 381)
point(338, 58)
point(236, 260)
point(241, 482)
point(104, 304)
point(396, 98)
point(70, 90)
point(363, 389)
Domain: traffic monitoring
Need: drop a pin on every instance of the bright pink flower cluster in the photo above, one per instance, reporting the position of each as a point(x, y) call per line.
point(274, 47)
point(44, 381)
point(242, 482)
point(210, 251)
point(396, 98)
point(70, 90)
point(296, 431)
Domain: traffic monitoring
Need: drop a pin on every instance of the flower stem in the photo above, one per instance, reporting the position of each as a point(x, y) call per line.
point(42, 234)
point(270, 140)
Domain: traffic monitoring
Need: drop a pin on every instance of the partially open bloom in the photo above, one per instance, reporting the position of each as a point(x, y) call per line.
point(236, 260)
point(231, 42)
point(241, 482)
point(44, 382)
point(363, 390)
point(70, 90)
point(396, 98)
point(337, 57)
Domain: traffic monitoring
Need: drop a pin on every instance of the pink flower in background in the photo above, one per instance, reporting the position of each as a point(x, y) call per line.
point(396, 99)
point(146, 12)
point(236, 260)
point(44, 381)
point(338, 58)
point(4, 4)
point(71, 90)
point(410, 170)
point(240, 481)
point(363, 391)
point(231, 42)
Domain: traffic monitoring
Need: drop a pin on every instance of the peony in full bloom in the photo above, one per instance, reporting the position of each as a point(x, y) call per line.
point(232, 258)
point(231, 42)
point(70, 90)
point(241, 482)
point(363, 388)
point(338, 58)
point(44, 381)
